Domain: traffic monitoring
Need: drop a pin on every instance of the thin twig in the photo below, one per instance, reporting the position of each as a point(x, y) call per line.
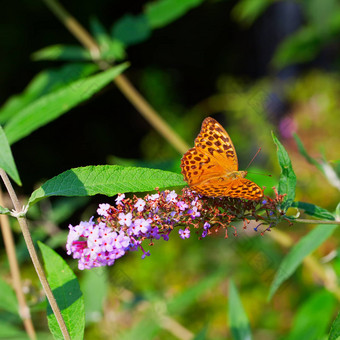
point(309, 221)
point(124, 85)
point(37, 265)
point(24, 310)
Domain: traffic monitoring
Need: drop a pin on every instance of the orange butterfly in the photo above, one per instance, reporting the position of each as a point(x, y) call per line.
point(211, 166)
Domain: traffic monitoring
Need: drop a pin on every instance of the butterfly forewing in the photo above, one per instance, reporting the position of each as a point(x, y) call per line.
point(211, 167)
point(213, 140)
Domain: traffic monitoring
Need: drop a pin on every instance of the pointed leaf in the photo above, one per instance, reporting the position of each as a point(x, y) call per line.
point(287, 180)
point(4, 211)
point(43, 83)
point(314, 210)
point(66, 290)
point(304, 152)
point(53, 105)
point(107, 180)
point(238, 320)
point(161, 13)
point(337, 212)
point(6, 158)
point(335, 329)
point(62, 52)
point(309, 323)
point(303, 248)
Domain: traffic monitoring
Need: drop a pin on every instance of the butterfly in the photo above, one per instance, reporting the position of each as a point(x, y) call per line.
point(211, 167)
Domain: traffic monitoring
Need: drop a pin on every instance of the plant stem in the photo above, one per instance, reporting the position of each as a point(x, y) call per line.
point(24, 311)
point(309, 221)
point(124, 85)
point(37, 265)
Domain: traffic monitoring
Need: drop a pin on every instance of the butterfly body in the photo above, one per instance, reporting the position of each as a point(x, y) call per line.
point(211, 166)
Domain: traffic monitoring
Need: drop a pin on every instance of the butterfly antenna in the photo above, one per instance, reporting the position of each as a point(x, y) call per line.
point(256, 173)
point(253, 158)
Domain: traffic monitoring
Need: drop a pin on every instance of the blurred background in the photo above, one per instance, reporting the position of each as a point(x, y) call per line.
point(255, 66)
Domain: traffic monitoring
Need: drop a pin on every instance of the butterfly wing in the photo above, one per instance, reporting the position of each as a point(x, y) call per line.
point(214, 141)
point(224, 186)
point(213, 155)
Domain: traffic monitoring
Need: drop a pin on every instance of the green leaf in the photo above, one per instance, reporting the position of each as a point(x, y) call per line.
point(161, 13)
point(314, 210)
point(337, 212)
point(202, 335)
point(303, 248)
point(132, 29)
point(335, 329)
point(94, 298)
point(110, 49)
point(300, 47)
point(43, 83)
point(53, 105)
point(8, 299)
point(4, 211)
point(107, 180)
point(6, 158)
point(287, 180)
point(9, 331)
point(65, 288)
point(62, 52)
point(184, 300)
point(304, 152)
point(247, 11)
point(309, 323)
point(238, 320)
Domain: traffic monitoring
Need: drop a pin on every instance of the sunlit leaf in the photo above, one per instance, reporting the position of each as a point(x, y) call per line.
point(300, 47)
point(238, 320)
point(45, 82)
point(6, 158)
point(303, 248)
point(62, 52)
point(308, 322)
point(335, 330)
point(4, 211)
point(94, 298)
point(161, 13)
point(53, 105)
point(66, 290)
point(107, 180)
point(247, 11)
point(314, 210)
point(287, 180)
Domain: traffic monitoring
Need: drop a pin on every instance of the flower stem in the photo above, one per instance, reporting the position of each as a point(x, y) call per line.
point(34, 256)
point(310, 221)
point(124, 85)
point(15, 273)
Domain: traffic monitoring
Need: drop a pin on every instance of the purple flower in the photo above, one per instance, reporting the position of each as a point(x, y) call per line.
point(140, 204)
point(153, 197)
point(194, 212)
point(119, 199)
point(125, 219)
point(182, 205)
point(103, 209)
point(171, 197)
point(184, 233)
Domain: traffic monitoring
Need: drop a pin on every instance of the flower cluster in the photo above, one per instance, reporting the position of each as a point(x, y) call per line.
point(125, 226)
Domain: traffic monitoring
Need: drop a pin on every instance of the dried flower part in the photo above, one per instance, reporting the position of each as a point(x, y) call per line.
point(132, 221)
